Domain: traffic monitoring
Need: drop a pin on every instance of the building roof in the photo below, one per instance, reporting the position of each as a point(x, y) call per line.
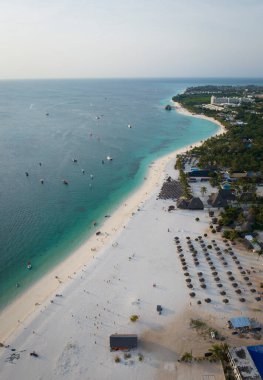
point(244, 364)
point(227, 194)
point(195, 204)
point(182, 203)
point(216, 200)
point(239, 322)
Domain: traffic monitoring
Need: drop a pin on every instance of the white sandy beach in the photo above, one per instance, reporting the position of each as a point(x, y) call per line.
point(128, 269)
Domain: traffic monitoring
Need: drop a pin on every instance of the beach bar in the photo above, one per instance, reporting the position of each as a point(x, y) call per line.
point(123, 341)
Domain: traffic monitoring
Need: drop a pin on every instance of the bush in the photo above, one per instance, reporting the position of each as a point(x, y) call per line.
point(140, 357)
point(211, 226)
point(117, 359)
point(213, 231)
point(134, 318)
point(197, 219)
point(205, 235)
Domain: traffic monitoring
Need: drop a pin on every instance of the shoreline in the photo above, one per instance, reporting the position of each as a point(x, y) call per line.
point(28, 304)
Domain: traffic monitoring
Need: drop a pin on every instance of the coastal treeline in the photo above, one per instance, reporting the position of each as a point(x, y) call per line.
point(241, 147)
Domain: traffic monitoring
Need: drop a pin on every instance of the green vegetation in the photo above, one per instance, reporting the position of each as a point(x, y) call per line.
point(134, 318)
point(183, 178)
point(241, 147)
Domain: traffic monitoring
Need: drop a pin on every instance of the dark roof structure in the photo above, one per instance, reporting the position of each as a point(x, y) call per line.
point(123, 341)
point(182, 203)
point(195, 204)
point(221, 198)
point(199, 173)
point(171, 189)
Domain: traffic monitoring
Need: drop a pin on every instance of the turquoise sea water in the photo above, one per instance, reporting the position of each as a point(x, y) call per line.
point(53, 121)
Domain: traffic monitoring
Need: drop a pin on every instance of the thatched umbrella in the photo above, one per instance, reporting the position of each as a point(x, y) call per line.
point(253, 290)
point(206, 254)
point(237, 262)
point(246, 278)
point(199, 302)
point(192, 294)
point(190, 286)
point(249, 283)
point(185, 267)
point(211, 263)
point(188, 280)
point(238, 291)
point(227, 244)
point(186, 274)
point(231, 278)
point(240, 268)
point(225, 300)
point(234, 257)
point(208, 300)
point(196, 239)
point(231, 253)
point(188, 237)
point(214, 273)
point(219, 253)
point(176, 238)
point(213, 241)
point(200, 274)
point(201, 279)
point(225, 241)
point(223, 293)
point(194, 254)
point(217, 279)
point(258, 298)
point(225, 264)
point(233, 243)
point(203, 245)
point(226, 250)
point(213, 268)
point(242, 299)
point(235, 285)
point(180, 250)
point(196, 263)
point(181, 255)
point(219, 285)
point(203, 286)
point(217, 249)
point(229, 273)
point(243, 272)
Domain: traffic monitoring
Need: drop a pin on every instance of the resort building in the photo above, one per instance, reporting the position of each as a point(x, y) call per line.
point(247, 362)
point(226, 101)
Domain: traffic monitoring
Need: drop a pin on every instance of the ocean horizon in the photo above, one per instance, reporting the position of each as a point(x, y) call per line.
point(61, 131)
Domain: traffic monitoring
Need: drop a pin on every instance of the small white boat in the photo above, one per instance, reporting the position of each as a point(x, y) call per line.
point(91, 176)
point(74, 160)
point(129, 126)
point(42, 181)
point(29, 266)
point(109, 158)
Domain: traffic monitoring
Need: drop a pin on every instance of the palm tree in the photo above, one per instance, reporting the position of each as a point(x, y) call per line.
point(203, 190)
point(219, 351)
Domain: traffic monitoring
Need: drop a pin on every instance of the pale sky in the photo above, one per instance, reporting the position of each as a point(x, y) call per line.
point(130, 38)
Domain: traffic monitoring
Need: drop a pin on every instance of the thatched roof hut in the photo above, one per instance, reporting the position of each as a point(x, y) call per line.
point(195, 204)
point(182, 203)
